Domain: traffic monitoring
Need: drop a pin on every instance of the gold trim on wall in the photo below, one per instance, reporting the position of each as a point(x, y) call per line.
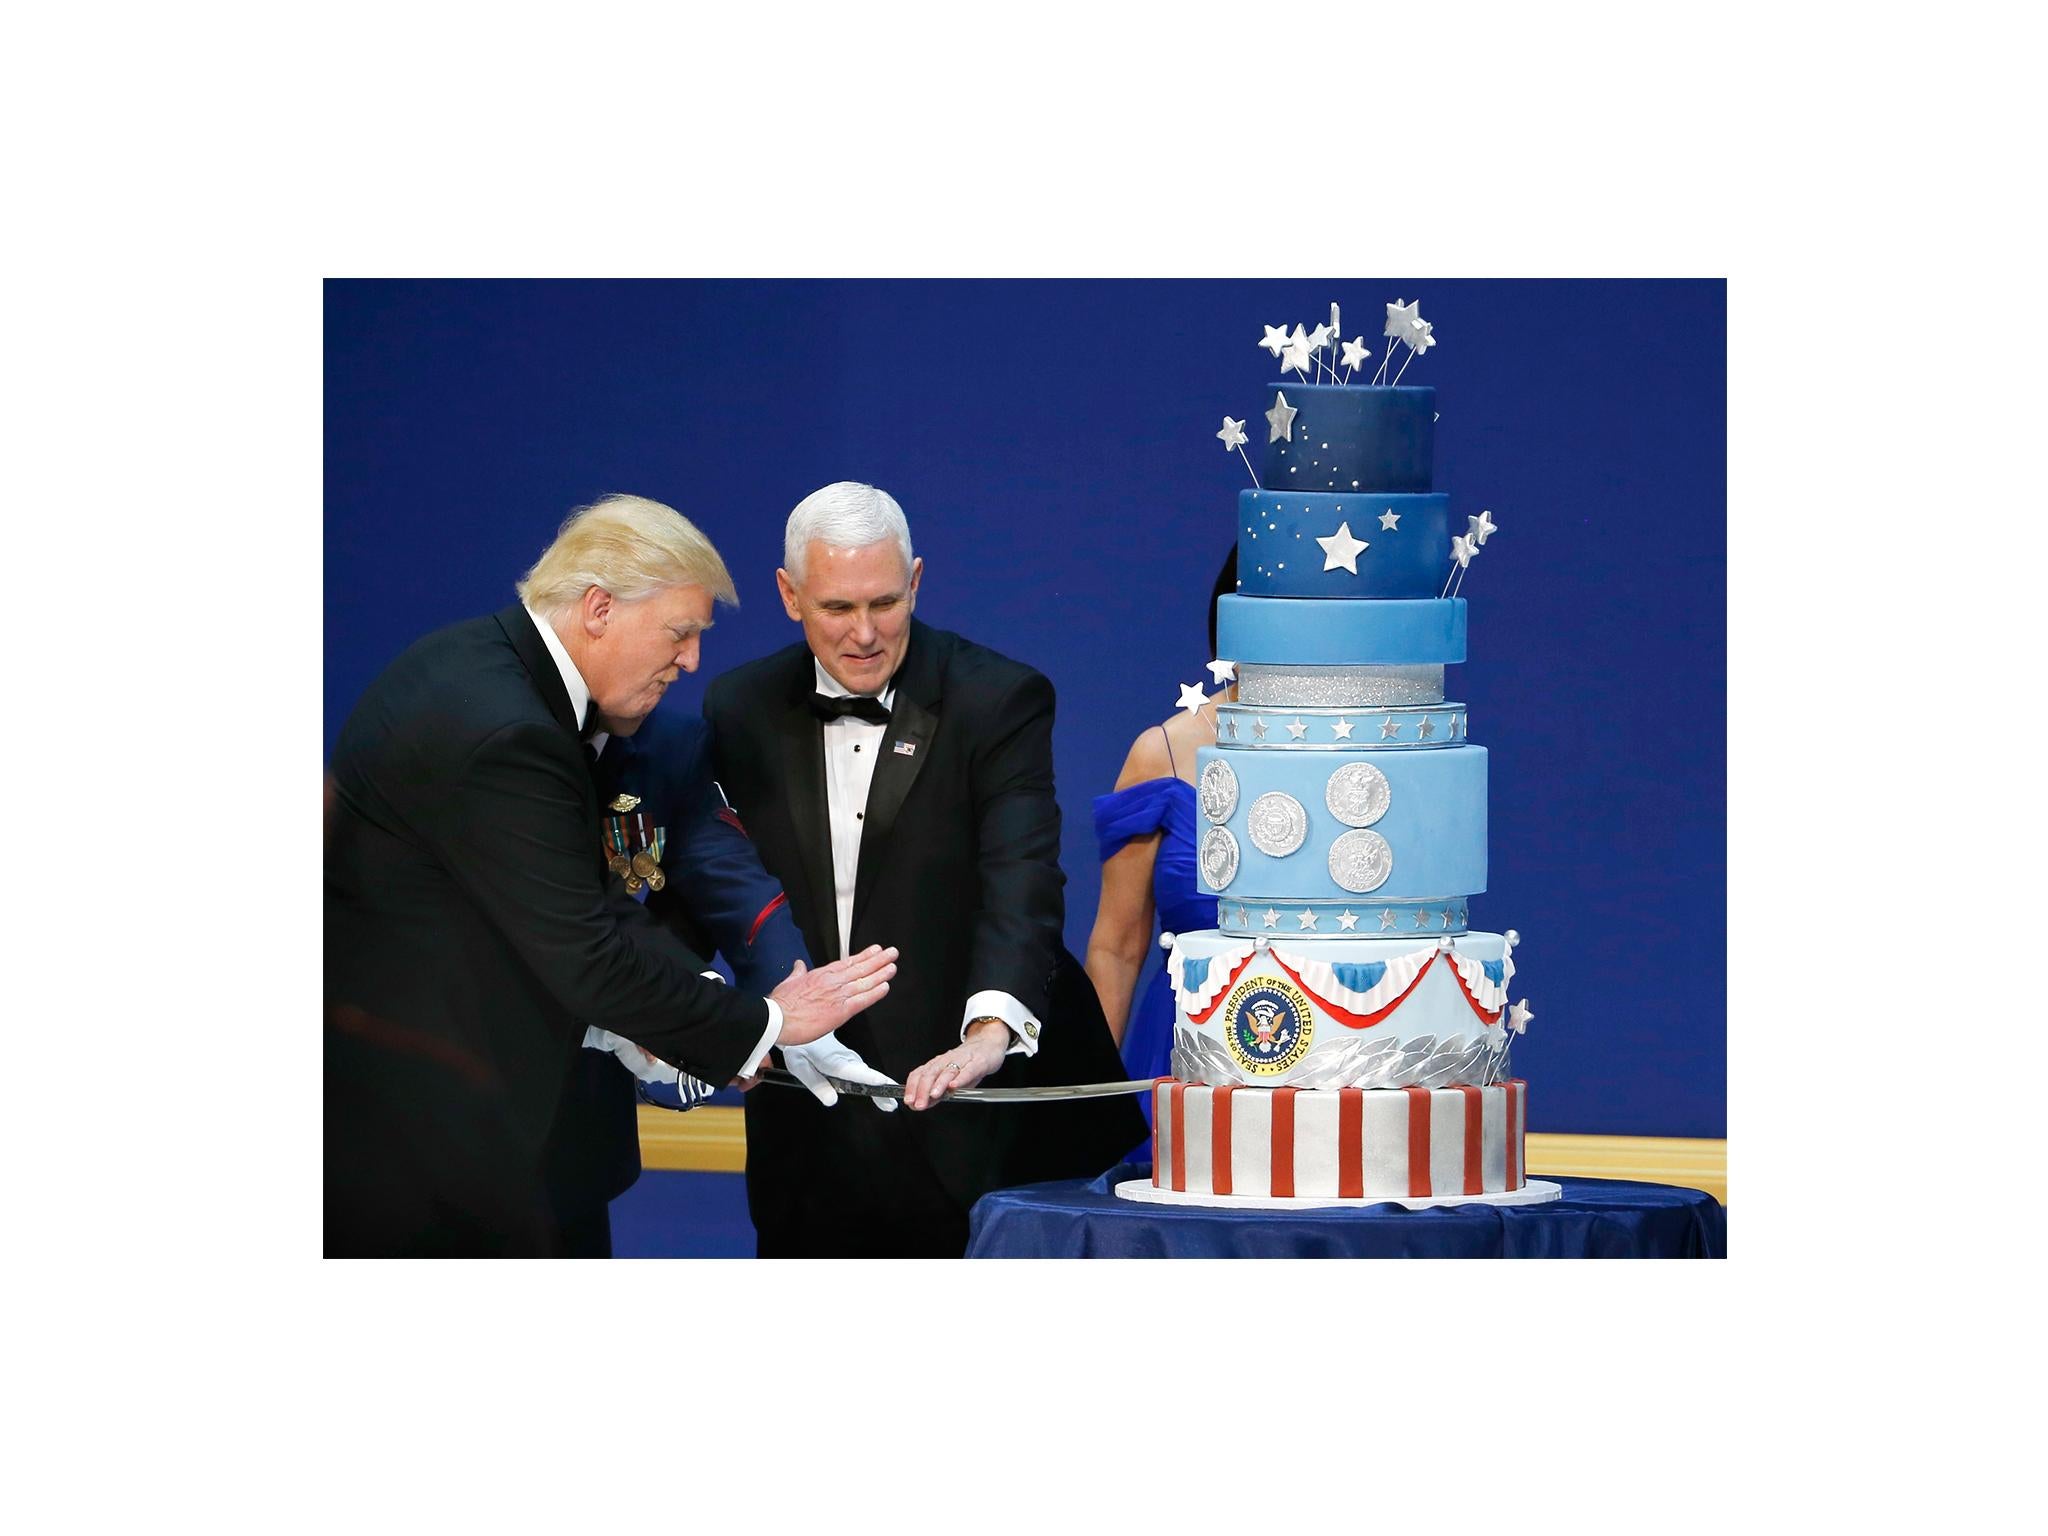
point(713, 1139)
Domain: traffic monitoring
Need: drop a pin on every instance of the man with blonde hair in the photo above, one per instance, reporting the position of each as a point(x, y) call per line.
point(473, 930)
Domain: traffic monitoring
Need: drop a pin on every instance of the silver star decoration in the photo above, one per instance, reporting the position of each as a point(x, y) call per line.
point(1425, 730)
point(1422, 336)
point(1307, 919)
point(1295, 729)
point(1401, 318)
point(1389, 728)
point(1270, 918)
point(1341, 731)
point(1297, 354)
point(1276, 339)
point(1519, 1016)
point(1461, 915)
point(1243, 917)
point(1232, 434)
point(1353, 352)
point(1191, 697)
point(1231, 726)
point(1320, 338)
point(1457, 726)
point(1477, 528)
point(1447, 917)
point(1390, 520)
point(1280, 419)
point(1223, 671)
point(1347, 919)
point(1387, 919)
point(1421, 918)
point(1341, 550)
point(1463, 549)
point(1258, 730)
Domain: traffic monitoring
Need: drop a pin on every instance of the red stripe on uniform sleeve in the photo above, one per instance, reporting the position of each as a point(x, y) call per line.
point(766, 912)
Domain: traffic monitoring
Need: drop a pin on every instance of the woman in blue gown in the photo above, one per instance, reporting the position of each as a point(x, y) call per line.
point(1146, 828)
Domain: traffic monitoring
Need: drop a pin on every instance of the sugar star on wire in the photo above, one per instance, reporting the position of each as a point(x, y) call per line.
point(1191, 697)
point(1276, 339)
point(1223, 672)
point(1401, 318)
point(1232, 434)
point(1319, 338)
point(1353, 352)
point(1463, 549)
point(1297, 354)
point(1519, 1017)
point(1341, 550)
point(1422, 337)
point(1477, 528)
point(1280, 419)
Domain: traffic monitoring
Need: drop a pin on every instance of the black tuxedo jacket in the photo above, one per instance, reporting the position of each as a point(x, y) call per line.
point(470, 936)
point(959, 869)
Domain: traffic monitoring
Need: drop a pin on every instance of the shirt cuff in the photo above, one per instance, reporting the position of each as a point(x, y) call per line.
point(753, 1062)
point(1000, 1005)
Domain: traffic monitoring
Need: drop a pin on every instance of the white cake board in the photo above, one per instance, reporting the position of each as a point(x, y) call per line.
point(1535, 1192)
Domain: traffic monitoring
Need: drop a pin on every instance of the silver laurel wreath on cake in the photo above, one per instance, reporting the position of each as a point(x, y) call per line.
point(1367, 1063)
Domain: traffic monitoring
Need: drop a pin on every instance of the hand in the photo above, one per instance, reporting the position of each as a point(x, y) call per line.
point(965, 1065)
point(815, 1003)
point(827, 1057)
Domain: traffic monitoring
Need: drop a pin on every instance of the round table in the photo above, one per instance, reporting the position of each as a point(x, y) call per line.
point(1596, 1219)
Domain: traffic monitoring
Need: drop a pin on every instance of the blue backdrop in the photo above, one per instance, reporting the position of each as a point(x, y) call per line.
point(1053, 445)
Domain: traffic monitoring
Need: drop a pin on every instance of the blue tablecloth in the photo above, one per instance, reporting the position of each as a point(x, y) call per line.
point(1596, 1219)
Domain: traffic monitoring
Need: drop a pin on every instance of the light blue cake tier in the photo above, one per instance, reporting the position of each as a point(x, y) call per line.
point(1414, 829)
point(1310, 728)
point(1278, 556)
point(1314, 632)
point(1351, 437)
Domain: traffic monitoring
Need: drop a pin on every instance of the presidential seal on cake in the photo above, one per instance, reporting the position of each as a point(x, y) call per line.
point(1342, 1035)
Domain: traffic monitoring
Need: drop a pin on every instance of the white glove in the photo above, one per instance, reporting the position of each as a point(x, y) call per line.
point(825, 1057)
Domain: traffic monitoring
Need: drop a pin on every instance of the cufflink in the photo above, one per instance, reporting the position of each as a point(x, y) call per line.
point(1030, 1030)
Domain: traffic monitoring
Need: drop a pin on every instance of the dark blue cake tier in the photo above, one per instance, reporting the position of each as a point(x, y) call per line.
point(1406, 537)
point(1351, 437)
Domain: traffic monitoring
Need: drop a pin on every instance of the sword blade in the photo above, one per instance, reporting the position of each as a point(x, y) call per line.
point(784, 1079)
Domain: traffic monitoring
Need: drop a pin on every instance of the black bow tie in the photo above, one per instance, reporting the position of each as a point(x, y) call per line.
point(859, 705)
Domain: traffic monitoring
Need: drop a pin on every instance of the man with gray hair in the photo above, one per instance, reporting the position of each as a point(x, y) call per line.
point(472, 928)
point(898, 781)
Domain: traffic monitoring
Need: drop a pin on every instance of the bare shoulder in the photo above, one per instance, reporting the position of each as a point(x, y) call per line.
point(1148, 759)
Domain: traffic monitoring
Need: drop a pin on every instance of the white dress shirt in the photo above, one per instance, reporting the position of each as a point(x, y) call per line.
point(579, 707)
point(851, 748)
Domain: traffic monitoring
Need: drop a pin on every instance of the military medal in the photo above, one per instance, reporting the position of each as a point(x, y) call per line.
point(632, 845)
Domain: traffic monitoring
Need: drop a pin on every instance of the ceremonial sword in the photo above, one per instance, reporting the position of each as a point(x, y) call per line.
point(969, 1095)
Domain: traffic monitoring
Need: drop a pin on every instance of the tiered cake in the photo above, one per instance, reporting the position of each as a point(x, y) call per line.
point(1342, 1033)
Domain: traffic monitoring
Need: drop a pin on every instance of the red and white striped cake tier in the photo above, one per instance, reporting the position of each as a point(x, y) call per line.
point(1285, 1143)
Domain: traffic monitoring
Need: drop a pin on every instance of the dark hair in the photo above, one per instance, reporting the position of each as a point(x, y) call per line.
point(1226, 581)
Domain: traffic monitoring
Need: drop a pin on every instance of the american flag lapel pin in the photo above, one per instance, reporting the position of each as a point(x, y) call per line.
point(906, 749)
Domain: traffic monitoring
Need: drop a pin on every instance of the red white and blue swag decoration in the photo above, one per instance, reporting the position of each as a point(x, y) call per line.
point(1358, 995)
